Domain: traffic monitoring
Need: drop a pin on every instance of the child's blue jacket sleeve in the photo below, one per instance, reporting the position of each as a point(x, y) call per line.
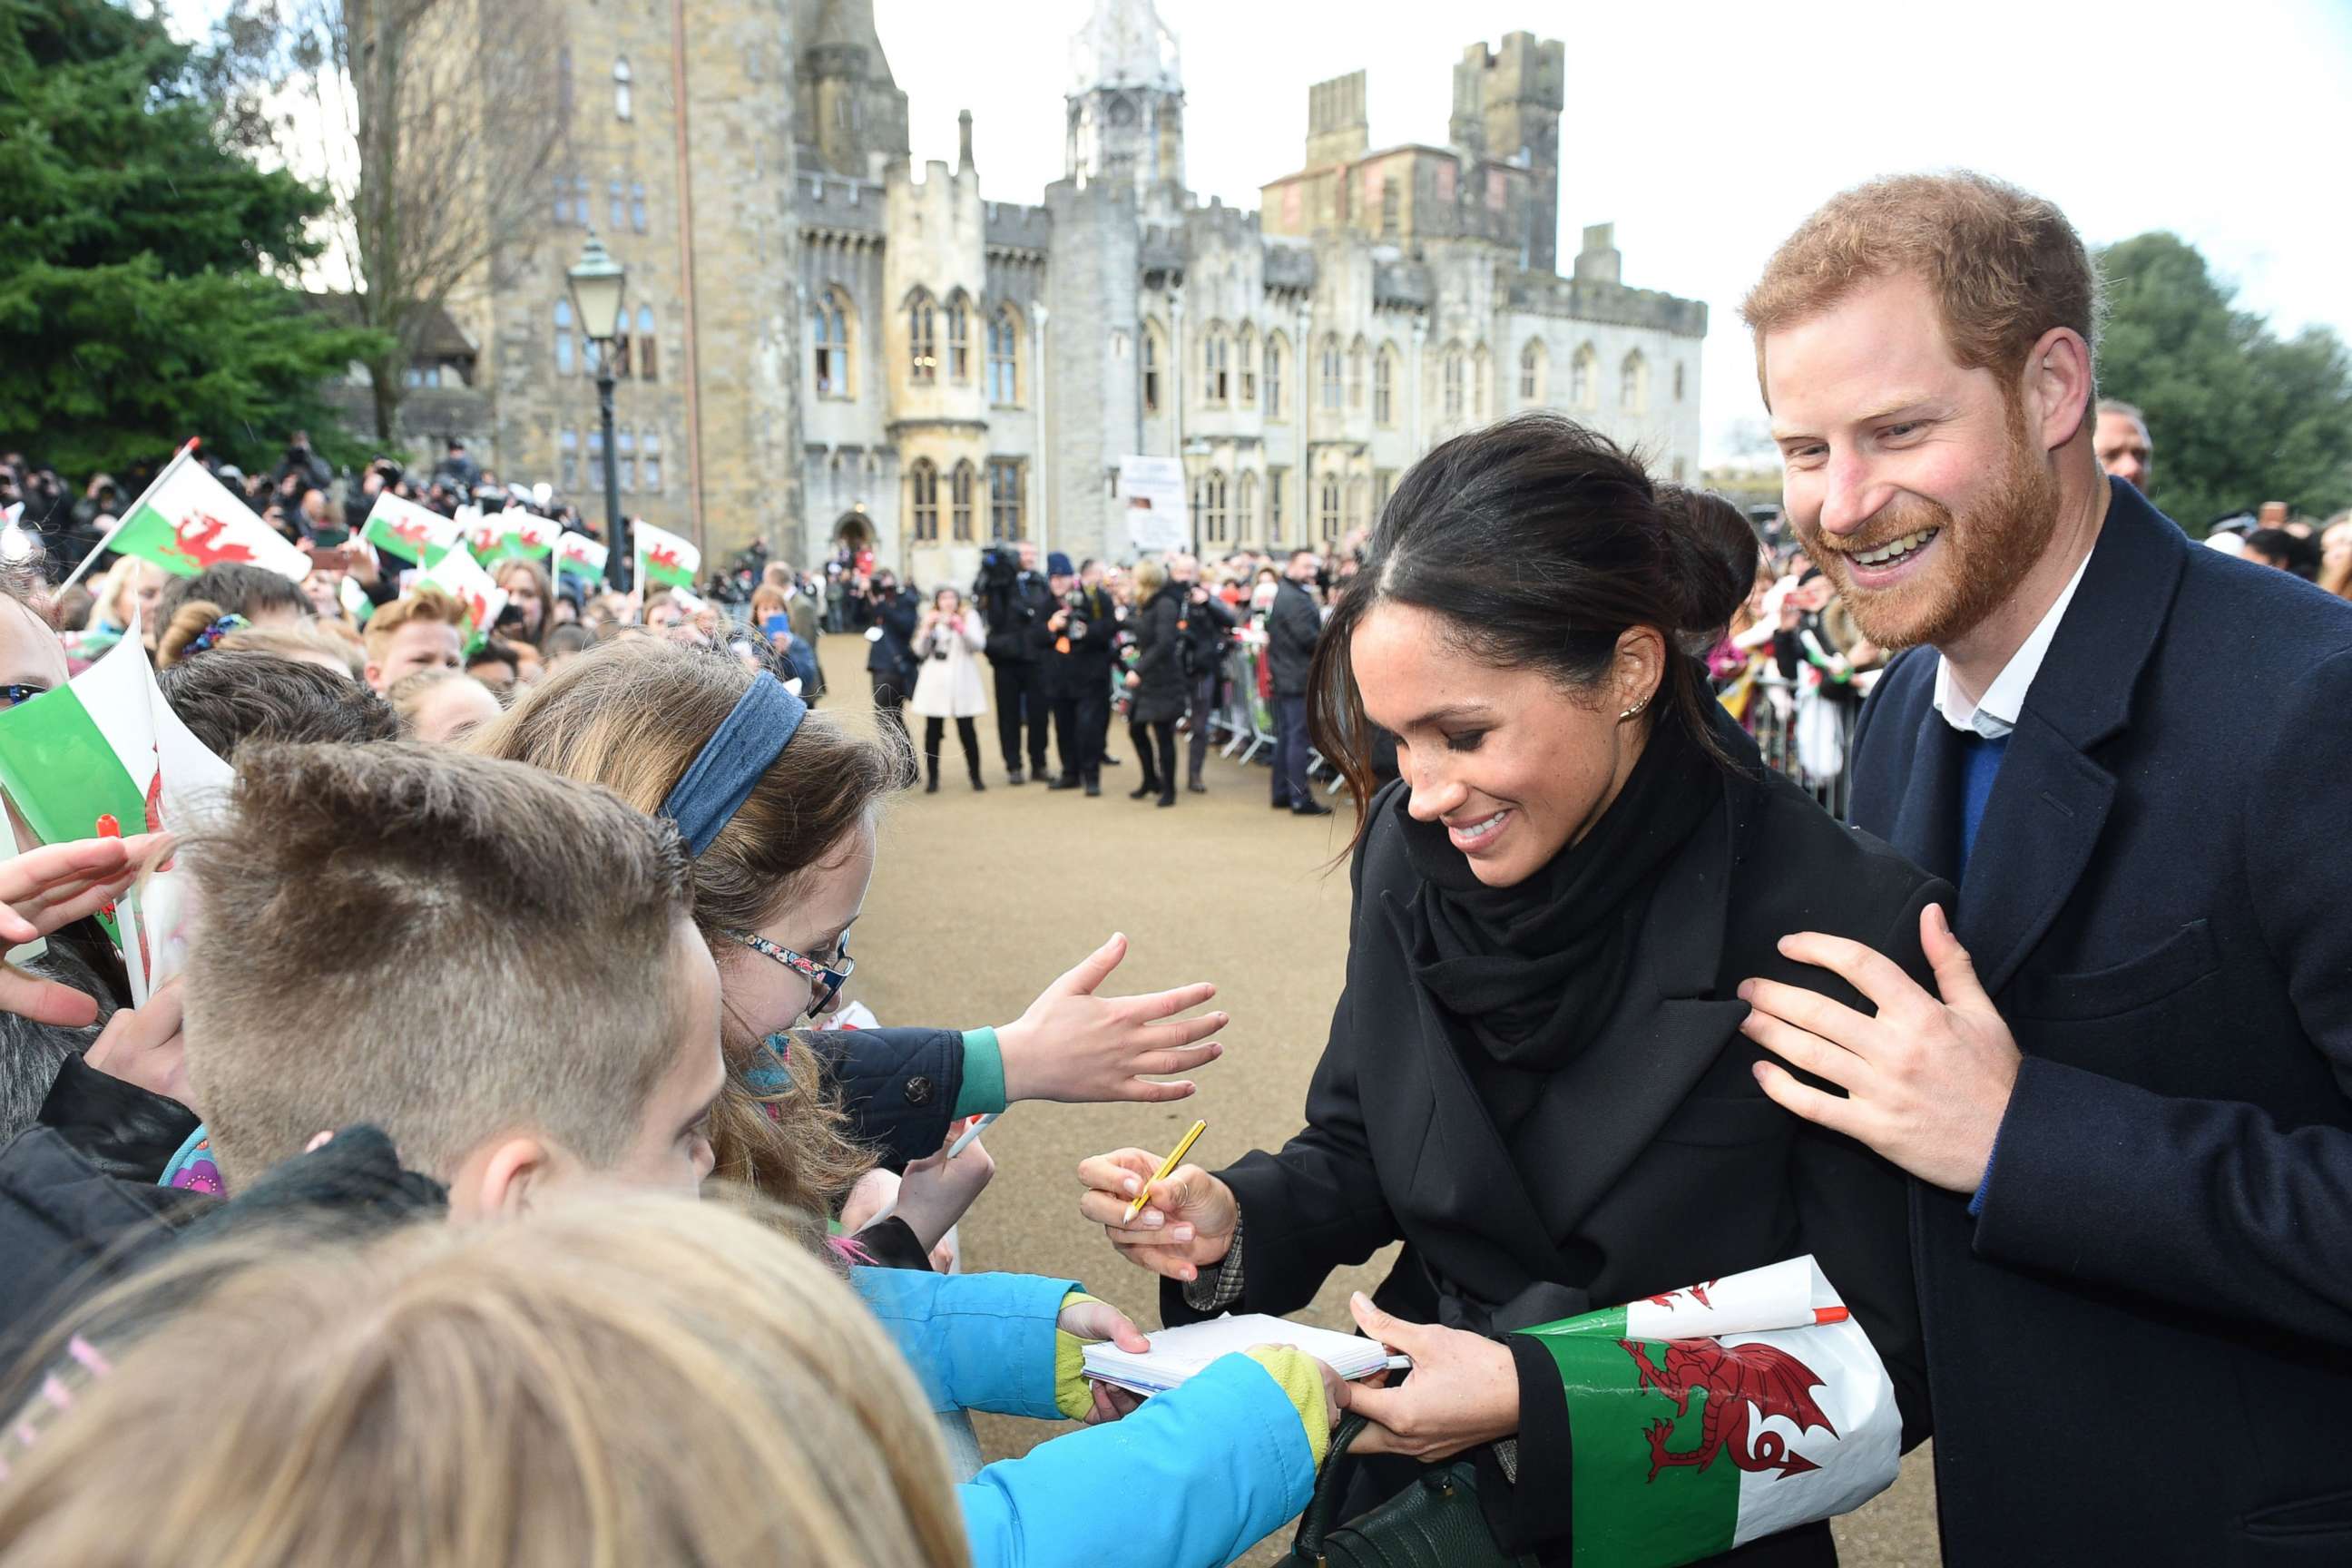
point(976, 1341)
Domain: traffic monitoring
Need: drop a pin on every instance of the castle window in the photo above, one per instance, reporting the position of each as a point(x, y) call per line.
point(923, 497)
point(620, 88)
point(646, 366)
point(1245, 508)
point(1151, 367)
point(563, 337)
point(1453, 381)
point(1275, 352)
point(616, 209)
point(1005, 358)
point(564, 201)
point(1582, 374)
point(922, 345)
point(1532, 371)
point(1246, 364)
point(581, 214)
point(1277, 480)
point(960, 486)
point(567, 471)
point(1331, 378)
point(624, 444)
point(1216, 383)
point(1329, 509)
point(1384, 387)
point(1355, 374)
point(1005, 477)
point(959, 338)
point(1633, 383)
point(1678, 385)
point(829, 343)
point(638, 208)
point(1388, 224)
point(1482, 375)
point(652, 470)
point(1209, 507)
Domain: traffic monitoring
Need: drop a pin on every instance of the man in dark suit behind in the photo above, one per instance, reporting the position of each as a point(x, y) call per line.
point(1292, 629)
point(2129, 1111)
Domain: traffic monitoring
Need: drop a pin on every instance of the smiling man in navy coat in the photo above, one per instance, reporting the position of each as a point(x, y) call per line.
point(2128, 1110)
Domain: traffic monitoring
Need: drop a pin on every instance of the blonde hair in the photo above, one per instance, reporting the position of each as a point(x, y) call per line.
point(428, 605)
point(615, 1379)
point(632, 715)
point(309, 640)
point(2004, 266)
point(408, 693)
point(1150, 576)
point(121, 578)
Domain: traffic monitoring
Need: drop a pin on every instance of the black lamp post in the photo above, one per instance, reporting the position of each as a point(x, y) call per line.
point(597, 284)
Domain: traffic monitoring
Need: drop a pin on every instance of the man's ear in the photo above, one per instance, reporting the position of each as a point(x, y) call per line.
point(505, 1177)
point(2059, 388)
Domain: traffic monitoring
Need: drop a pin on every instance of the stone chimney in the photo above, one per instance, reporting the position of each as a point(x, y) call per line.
point(1600, 261)
point(963, 143)
point(1336, 129)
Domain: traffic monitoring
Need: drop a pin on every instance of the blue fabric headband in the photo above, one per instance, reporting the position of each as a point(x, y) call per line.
point(719, 780)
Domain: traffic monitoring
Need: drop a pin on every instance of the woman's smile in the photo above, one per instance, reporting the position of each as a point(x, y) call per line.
point(1477, 835)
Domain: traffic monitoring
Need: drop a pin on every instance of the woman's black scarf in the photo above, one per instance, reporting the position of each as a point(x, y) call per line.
point(1533, 971)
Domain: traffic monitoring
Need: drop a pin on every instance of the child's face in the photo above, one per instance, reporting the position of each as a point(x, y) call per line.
point(763, 995)
point(672, 1147)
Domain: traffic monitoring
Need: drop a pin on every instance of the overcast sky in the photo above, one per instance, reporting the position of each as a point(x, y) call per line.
point(1705, 130)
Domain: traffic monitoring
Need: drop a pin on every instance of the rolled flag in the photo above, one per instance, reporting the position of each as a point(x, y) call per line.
point(460, 576)
point(187, 520)
point(355, 602)
point(1709, 1417)
point(104, 756)
point(664, 557)
point(578, 555)
point(413, 532)
point(515, 534)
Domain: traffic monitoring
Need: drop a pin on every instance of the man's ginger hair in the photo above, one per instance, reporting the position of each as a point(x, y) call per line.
point(429, 605)
point(2003, 266)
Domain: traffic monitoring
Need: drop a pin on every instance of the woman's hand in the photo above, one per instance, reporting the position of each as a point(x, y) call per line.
point(936, 1190)
point(1077, 1047)
point(143, 1045)
point(49, 888)
point(1187, 1225)
point(1463, 1390)
point(1133, 679)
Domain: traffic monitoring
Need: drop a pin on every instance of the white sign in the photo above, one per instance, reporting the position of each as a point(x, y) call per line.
point(1151, 498)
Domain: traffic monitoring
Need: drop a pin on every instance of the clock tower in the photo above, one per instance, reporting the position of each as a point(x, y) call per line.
point(1127, 108)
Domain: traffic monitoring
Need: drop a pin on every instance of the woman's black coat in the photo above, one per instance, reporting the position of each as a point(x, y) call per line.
point(1654, 1160)
point(1159, 697)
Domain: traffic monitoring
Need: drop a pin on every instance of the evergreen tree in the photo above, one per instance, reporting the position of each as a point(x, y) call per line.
point(143, 295)
point(2238, 415)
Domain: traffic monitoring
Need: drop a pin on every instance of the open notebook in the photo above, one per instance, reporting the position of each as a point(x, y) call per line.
point(1177, 1353)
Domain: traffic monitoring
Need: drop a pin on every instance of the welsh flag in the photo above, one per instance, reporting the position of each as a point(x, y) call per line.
point(578, 555)
point(187, 520)
point(1711, 1415)
point(515, 534)
point(104, 756)
point(355, 602)
point(664, 557)
point(460, 576)
point(413, 532)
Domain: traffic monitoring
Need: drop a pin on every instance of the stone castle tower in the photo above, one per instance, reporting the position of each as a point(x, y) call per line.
point(1126, 107)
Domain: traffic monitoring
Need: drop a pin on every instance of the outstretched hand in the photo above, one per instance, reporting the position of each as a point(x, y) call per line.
point(45, 889)
point(1075, 1046)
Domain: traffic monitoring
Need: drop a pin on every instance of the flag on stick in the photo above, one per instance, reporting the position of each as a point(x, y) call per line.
point(664, 557)
point(515, 534)
point(187, 520)
point(578, 555)
point(460, 576)
point(413, 532)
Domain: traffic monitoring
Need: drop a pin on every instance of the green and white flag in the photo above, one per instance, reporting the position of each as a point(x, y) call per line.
point(514, 534)
point(102, 757)
point(1712, 1416)
point(413, 532)
point(578, 555)
point(664, 557)
point(187, 520)
point(355, 602)
point(460, 576)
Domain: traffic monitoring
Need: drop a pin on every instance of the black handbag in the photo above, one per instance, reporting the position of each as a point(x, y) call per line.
point(1435, 1523)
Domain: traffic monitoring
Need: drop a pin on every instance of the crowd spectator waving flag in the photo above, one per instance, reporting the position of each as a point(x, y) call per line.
point(462, 577)
point(664, 557)
point(187, 520)
point(400, 527)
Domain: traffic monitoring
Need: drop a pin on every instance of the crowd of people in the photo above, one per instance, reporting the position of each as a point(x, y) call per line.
point(444, 1142)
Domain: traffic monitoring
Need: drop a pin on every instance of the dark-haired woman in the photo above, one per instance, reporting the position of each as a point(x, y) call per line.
point(1536, 1077)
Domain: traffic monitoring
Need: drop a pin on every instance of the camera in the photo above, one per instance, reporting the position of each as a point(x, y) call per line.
point(998, 567)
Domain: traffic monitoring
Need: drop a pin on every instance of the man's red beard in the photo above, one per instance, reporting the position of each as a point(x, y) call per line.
point(1982, 556)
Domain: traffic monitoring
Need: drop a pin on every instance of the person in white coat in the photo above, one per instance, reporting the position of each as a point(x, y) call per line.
point(948, 644)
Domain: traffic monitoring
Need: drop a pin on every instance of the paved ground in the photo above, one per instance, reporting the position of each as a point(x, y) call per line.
point(979, 901)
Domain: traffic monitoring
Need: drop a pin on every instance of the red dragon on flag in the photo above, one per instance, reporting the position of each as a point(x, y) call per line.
point(1743, 1384)
point(1695, 1292)
point(664, 556)
point(198, 541)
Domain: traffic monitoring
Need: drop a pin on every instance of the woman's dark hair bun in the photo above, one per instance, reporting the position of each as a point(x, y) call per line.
point(1713, 550)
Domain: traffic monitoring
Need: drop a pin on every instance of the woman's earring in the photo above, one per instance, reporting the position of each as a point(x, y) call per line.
point(1632, 710)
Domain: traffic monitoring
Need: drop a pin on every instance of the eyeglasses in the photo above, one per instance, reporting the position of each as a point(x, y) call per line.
point(12, 695)
point(826, 980)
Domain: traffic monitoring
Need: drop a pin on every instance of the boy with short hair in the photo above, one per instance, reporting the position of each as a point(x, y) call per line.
point(422, 629)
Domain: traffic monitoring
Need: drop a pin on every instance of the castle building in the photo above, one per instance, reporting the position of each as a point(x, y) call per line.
point(868, 354)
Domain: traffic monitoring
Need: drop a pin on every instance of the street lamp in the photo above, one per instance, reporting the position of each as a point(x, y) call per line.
point(597, 284)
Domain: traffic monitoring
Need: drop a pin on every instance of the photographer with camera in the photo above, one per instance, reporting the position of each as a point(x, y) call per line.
point(1204, 628)
point(1073, 644)
point(890, 614)
point(948, 687)
point(1012, 596)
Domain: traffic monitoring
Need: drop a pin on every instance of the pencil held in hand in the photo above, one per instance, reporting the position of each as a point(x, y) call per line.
point(1167, 1169)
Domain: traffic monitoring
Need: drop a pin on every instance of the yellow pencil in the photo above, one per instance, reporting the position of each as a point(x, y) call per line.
point(1167, 1169)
